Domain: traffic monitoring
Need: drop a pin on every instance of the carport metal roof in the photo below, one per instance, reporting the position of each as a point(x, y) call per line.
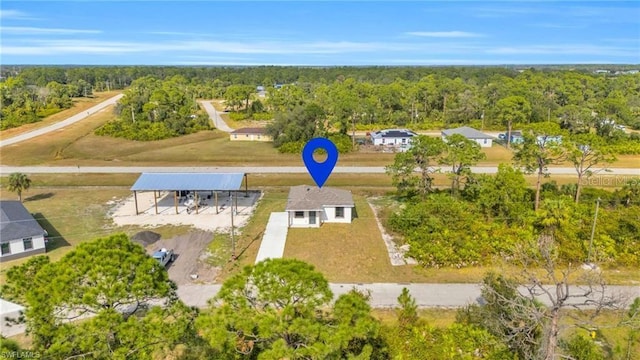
point(188, 181)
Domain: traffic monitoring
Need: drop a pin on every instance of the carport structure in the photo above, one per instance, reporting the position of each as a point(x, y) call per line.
point(178, 182)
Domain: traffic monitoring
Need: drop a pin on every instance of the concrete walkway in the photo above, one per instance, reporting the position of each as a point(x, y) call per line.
point(274, 238)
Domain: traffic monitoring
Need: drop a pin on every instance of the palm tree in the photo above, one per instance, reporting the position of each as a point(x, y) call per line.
point(18, 182)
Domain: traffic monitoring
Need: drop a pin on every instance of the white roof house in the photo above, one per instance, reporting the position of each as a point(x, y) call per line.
point(310, 206)
point(481, 138)
point(393, 137)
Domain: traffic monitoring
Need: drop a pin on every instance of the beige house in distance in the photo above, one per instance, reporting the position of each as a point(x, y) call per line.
point(249, 134)
point(310, 206)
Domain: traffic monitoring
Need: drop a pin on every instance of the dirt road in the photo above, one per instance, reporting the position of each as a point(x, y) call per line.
point(188, 249)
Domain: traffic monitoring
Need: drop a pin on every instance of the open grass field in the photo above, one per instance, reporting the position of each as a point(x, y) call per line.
point(79, 105)
point(77, 145)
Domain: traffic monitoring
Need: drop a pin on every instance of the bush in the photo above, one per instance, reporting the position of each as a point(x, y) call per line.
point(262, 116)
point(238, 116)
point(293, 147)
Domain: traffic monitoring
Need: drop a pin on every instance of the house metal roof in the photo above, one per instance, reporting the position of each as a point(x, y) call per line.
point(305, 197)
point(469, 133)
point(16, 222)
point(393, 133)
point(188, 181)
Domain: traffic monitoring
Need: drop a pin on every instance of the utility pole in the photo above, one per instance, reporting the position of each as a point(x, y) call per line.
point(233, 239)
point(593, 231)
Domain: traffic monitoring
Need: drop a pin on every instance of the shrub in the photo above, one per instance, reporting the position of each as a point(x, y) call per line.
point(238, 116)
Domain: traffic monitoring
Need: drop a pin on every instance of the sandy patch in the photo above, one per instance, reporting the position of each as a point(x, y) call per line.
point(205, 218)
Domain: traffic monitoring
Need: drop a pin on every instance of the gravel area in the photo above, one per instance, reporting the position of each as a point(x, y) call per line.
point(188, 267)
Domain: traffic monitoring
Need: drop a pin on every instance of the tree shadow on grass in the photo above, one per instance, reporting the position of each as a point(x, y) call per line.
point(39, 197)
point(56, 240)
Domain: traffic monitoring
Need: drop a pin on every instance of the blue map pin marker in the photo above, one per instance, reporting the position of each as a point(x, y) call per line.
point(320, 171)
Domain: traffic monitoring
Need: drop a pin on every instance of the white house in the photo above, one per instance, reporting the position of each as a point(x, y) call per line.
point(392, 137)
point(20, 233)
point(481, 138)
point(249, 134)
point(310, 206)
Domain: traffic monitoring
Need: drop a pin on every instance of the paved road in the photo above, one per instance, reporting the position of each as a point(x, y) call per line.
point(215, 117)
point(262, 170)
point(385, 295)
point(59, 125)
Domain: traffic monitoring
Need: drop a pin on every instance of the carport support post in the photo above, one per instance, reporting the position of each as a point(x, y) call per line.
point(246, 185)
point(233, 240)
point(175, 200)
point(135, 198)
point(197, 201)
point(236, 198)
point(155, 200)
point(216, 196)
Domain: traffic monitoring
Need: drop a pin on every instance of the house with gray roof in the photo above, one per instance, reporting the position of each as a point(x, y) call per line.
point(397, 138)
point(310, 206)
point(481, 138)
point(20, 233)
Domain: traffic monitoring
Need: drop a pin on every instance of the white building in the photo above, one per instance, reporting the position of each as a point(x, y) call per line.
point(310, 206)
point(20, 233)
point(481, 138)
point(392, 137)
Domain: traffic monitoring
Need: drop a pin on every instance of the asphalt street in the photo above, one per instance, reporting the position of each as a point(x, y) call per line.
point(59, 125)
point(264, 170)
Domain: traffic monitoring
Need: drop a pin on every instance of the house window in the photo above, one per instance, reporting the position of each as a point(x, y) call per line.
point(404, 140)
point(258, 136)
point(235, 136)
point(246, 135)
point(298, 214)
point(339, 213)
point(6, 249)
point(383, 140)
point(28, 243)
point(485, 141)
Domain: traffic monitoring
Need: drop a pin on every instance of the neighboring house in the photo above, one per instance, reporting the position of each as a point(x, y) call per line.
point(393, 137)
point(481, 138)
point(249, 134)
point(310, 206)
point(20, 233)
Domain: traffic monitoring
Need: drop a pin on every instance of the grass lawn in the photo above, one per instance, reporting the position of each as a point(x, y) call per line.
point(79, 105)
point(349, 252)
point(77, 145)
point(250, 236)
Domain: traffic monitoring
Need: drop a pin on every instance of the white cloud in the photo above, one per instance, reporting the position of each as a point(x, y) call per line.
point(23, 30)
point(444, 34)
point(14, 14)
point(73, 46)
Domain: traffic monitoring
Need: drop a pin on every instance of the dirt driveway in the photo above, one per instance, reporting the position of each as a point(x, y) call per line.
point(189, 250)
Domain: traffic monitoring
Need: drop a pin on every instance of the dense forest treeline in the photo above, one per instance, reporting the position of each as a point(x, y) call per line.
point(359, 97)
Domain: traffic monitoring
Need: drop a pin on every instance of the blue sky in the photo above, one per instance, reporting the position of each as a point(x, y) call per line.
point(319, 33)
